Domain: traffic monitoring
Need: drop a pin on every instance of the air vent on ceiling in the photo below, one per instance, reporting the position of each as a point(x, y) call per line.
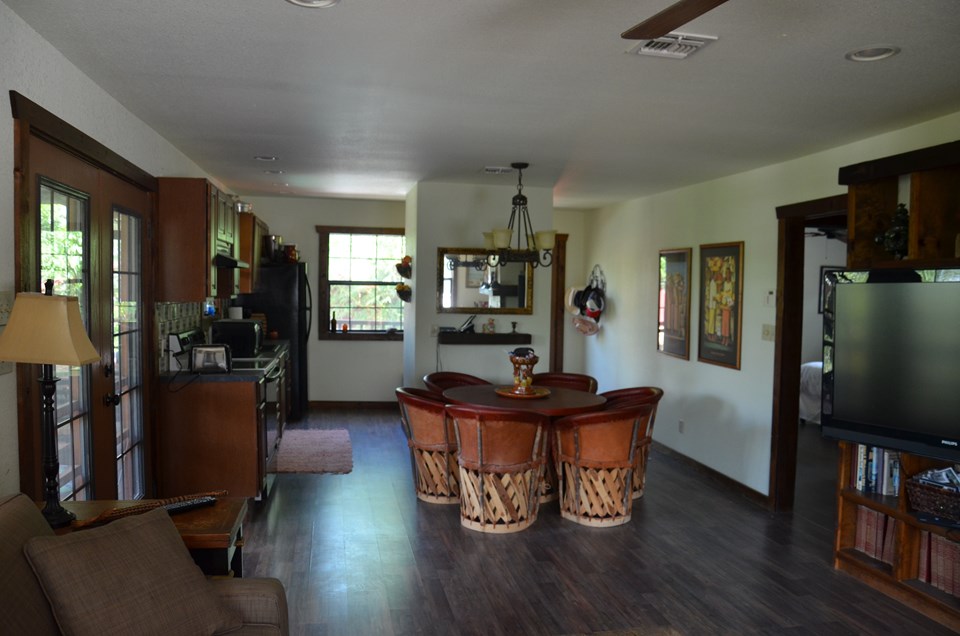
point(497, 170)
point(673, 45)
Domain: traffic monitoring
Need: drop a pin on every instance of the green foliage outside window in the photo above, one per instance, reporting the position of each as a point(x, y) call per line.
point(363, 276)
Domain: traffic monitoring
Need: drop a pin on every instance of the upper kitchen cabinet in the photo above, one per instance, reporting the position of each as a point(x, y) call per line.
point(926, 182)
point(226, 219)
point(187, 239)
point(198, 251)
point(250, 233)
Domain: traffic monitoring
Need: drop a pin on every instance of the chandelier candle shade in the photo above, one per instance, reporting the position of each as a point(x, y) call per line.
point(48, 330)
point(538, 246)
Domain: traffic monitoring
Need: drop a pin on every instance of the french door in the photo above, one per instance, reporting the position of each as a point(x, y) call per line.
point(90, 240)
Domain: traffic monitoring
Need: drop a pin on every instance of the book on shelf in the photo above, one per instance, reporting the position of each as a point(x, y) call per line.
point(876, 470)
point(939, 562)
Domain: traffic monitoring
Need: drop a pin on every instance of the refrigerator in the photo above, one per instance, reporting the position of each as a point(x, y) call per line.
point(283, 294)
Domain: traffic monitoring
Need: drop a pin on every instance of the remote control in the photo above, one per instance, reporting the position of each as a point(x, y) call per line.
point(189, 504)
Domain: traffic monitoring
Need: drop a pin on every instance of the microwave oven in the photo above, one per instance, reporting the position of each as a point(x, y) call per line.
point(243, 336)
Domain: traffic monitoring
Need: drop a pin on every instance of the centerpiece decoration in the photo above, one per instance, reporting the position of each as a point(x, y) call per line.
point(523, 359)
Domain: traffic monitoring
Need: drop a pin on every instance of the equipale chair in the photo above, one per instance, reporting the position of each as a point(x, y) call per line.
point(433, 447)
point(577, 381)
point(620, 398)
point(597, 455)
point(501, 466)
point(440, 381)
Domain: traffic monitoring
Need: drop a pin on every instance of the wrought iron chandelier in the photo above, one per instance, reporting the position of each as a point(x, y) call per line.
point(538, 248)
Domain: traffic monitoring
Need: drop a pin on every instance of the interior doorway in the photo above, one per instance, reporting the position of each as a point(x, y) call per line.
point(794, 221)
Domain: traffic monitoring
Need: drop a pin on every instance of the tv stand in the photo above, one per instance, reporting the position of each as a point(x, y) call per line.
point(934, 231)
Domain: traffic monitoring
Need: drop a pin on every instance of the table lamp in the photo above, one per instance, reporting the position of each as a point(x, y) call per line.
point(48, 330)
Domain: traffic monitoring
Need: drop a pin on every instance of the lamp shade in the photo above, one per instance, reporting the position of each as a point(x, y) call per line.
point(46, 330)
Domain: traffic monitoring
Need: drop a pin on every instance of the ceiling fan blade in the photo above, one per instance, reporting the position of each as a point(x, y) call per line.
point(671, 18)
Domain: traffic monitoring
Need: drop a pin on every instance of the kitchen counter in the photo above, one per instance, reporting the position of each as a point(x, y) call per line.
point(219, 431)
point(244, 369)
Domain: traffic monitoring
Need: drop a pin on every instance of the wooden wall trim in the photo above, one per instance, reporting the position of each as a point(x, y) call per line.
point(793, 218)
point(335, 404)
point(558, 281)
point(931, 158)
point(53, 130)
point(818, 208)
point(724, 480)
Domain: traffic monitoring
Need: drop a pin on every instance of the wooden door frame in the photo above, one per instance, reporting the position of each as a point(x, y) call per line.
point(30, 119)
point(793, 219)
point(558, 281)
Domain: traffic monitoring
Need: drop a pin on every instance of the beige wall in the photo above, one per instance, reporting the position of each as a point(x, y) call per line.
point(337, 371)
point(34, 68)
point(456, 215)
point(726, 413)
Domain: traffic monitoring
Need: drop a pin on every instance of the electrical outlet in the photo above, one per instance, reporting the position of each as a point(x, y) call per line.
point(680, 426)
point(434, 331)
point(769, 333)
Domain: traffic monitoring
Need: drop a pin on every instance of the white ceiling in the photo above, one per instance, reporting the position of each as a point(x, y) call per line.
point(367, 98)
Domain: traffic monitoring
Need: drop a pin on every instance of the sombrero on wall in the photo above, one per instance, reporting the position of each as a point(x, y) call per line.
point(587, 304)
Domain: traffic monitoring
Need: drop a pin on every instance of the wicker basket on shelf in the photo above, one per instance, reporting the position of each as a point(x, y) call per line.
point(933, 500)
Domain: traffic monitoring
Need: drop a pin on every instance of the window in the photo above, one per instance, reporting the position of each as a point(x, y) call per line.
point(358, 279)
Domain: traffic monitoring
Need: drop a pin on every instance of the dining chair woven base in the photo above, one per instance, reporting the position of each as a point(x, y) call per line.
point(596, 497)
point(640, 474)
point(432, 471)
point(499, 502)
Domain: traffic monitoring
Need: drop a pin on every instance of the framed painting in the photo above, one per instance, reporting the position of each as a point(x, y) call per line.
point(823, 272)
point(721, 304)
point(673, 317)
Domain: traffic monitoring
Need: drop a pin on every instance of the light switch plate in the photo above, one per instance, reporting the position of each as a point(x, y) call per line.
point(6, 304)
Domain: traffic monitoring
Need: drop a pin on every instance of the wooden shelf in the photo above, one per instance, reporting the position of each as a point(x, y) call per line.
point(458, 338)
point(934, 205)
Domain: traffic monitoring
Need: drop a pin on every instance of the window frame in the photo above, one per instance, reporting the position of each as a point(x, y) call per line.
point(323, 290)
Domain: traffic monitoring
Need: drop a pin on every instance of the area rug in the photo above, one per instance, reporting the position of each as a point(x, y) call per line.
point(315, 451)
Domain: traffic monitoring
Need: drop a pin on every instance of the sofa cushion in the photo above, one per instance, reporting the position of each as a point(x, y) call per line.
point(133, 576)
point(23, 607)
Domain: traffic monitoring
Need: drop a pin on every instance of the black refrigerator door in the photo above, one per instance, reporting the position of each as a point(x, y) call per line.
point(282, 295)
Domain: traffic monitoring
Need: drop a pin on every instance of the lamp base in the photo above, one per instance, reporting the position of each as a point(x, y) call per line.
point(56, 515)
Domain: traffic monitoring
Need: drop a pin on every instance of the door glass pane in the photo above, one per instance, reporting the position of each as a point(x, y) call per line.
point(127, 354)
point(64, 241)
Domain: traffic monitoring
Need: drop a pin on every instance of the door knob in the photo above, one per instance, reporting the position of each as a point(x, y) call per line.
point(111, 399)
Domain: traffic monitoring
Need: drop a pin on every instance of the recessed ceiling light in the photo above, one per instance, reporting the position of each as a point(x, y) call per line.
point(265, 158)
point(872, 53)
point(314, 4)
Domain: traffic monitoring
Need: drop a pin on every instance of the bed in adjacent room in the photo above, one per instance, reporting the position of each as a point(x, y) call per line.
point(810, 378)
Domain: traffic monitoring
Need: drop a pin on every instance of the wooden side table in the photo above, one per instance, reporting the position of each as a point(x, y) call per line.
point(213, 534)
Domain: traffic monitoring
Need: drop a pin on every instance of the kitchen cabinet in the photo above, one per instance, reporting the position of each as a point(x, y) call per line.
point(213, 436)
point(250, 233)
point(187, 239)
point(226, 219)
point(933, 200)
point(195, 222)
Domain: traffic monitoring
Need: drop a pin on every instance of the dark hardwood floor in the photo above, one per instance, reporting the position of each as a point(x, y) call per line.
point(359, 554)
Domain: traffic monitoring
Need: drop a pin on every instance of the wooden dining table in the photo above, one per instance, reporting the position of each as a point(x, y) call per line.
point(557, 403)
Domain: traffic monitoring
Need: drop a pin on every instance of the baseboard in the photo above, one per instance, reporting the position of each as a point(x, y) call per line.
point(334, 404)
point(726, 481)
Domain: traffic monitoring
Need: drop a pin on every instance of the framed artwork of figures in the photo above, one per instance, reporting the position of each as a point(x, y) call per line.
point(673, 318)
point(721, 304)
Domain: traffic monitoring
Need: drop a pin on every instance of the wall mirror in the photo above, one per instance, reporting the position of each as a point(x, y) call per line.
point(462, 288)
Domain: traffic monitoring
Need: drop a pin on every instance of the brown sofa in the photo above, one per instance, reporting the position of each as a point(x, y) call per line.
point(133, 575)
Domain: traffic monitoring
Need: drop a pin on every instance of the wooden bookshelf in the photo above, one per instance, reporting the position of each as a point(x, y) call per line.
point(934, 224)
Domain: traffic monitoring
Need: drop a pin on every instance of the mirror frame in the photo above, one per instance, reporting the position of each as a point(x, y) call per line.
point(527, 308)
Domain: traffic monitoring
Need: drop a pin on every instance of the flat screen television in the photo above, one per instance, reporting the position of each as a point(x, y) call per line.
point(891, 359)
